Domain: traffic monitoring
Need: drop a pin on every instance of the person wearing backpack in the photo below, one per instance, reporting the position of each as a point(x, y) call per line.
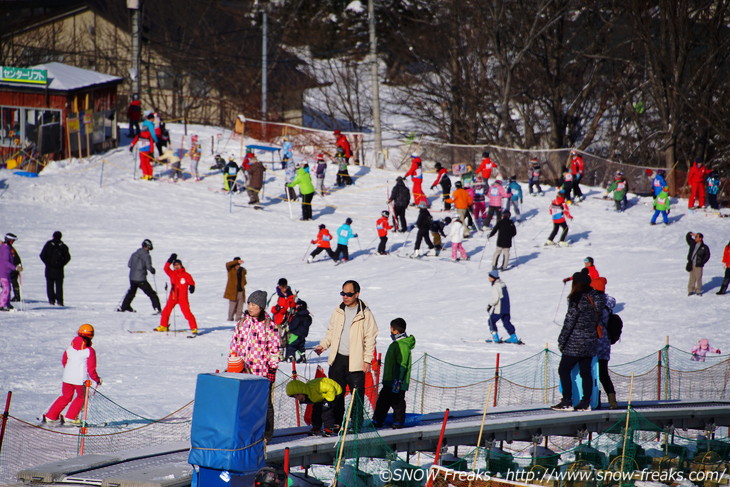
point(55, 256)
point(604, 341)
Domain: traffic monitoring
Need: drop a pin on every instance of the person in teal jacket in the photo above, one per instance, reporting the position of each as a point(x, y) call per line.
point(620, 188)
point(396, 376)
point(306, 188)
point(516, 190)
point(344, 234)
point(661, 206)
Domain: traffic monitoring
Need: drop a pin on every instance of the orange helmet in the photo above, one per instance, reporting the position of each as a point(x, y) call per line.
point(86, 330)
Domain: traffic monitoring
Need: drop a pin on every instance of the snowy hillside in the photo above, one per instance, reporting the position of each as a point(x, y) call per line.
point(442, 302)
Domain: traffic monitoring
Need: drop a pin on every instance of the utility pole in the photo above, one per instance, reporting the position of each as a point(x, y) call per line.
point(134, 71)
point(379, 162)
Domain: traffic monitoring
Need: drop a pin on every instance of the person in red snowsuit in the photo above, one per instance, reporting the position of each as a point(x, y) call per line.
point(286, 303)
point(134, 115)
point(182, 282)
point(383, 226)
point(486, 167)
point(146, 152)
point(343, 144)
point(416, 174)
point(577, 167)
point(696, 181)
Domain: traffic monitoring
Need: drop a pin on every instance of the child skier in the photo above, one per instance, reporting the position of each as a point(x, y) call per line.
point(344, 234)
point(456, 234)
point(479, 204)
point(486, 167)
point(320, 171)
point(396, 376)
point(619, 188)
point(285, 303)
point(499, 309)
point(659, 183)
point(713, 187)
point(700, 351)
point(423, 224)
point(533, 177)
point(169, 156)
point(559, 212)
point(496, 194)
point(516, 190)
point(437, 231)
point(661, 206)
point(181, 282)
point(343, 176)
point(320, 393)
point(323, 242)
point(566, 182)
point(229, 175)
point(383, 226)
point(299, 325)
point(79, 364)
point(194, 153)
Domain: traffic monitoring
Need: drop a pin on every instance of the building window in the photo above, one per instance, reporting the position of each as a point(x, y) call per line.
point(10, 133)
point(165, 80)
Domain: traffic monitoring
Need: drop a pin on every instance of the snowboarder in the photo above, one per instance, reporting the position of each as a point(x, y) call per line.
point(255, 180)
point(456, 236)
point(323, 242)
point(416, 174)
point(462, 201)
point(55, 255)
point(400, 197)
point(559, 212)
point(79, 364)
point(726, 263)
point(344, 234)
point(382, 226)
point(619, 188)
point(180, 283)
point(496, 194)
point(437, 231)
point(516, 200)
point(230, 172)
point(442, 178)
point(533, 177)
point(299, 325)
point(697, 257)
point(7, 265)
point(661, 206)
point(499, 309)
point(194, 153)
point(235, 291)
point(486, 167)
point(699, 352)
point(306, 189)
point(139, 264)
point(396, 376)
point(506, 231)
point(423, 224)
point(577, 168)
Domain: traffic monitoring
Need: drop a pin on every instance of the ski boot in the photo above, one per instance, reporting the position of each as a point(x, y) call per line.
point(513, 339)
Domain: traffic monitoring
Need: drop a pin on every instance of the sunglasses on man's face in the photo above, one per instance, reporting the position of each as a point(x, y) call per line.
point(349, 295)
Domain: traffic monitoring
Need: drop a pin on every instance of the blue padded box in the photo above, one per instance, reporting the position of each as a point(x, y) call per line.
point(228, 422)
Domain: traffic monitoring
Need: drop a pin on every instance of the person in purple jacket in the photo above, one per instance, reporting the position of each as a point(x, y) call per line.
point(6, 267)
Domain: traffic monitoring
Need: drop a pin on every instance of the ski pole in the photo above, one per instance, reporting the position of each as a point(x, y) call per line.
point(358, 243)
point(558, 307)
point(517, 258)
point(542, 229)
point(483, 250)
point(305, 253)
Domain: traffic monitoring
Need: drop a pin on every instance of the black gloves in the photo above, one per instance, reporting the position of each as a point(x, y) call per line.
point(191, 288)
point(131, 148)
point(152, 270)
point(172, 258)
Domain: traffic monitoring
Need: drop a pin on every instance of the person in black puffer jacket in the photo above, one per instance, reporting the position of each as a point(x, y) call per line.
point(400, 195)
point(578, 340)
point(298, 331)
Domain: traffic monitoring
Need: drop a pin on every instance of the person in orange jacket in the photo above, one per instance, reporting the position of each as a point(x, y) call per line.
point(461, 200)
point(382, 226)
point(416, 174)
point(486, 167)
point(323, 243)
point(181, 282)
point(286, 303)
point(696, 181)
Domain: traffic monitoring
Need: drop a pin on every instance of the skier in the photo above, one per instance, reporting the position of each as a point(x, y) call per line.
point(619, 188)
point(134, 115)
point(726, 263)
point(163, 137)
point(713, 187)
point(7, 265)
point(516, 191)
point(139, 263)
point(194, 153)
point(506, 231)
point(320, 171)
point(323, 242)
point(577, 168)
point(55, 256)
point(479, 204)
point(462, 201)
point(79, 364)
point(499, 309)
point(416, 174)
point(661, 206)
point(146, 151)
point(255, 180)
point(658, 183)
point(696, 181)
point(442, 178)
point(456, 236)
point(299, 325)
point(180, 283)
point(306, 189)
point(344, 234)
point(533, 177)
point(15, 274)
point(400, 197)
point(343, 146)
point(496, 194)
point(486, 167)
point(230, 172)
point(290, 172)
point(566, 182)
point(423, 224)
point(169, 157)
point(343, 176)
point(382, 227)
point(235, 291)
point(286, 153)
point(437, 231)
point(559, 212)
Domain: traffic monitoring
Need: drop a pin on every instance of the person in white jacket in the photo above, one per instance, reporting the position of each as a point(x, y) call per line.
point(499, 309)
point(456, 234)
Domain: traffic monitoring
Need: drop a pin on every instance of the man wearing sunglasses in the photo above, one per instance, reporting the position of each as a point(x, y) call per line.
point(351, 336)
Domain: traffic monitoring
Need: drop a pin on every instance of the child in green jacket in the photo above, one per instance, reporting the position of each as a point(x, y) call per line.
point(661, 206)
point(620, 188)
point(396, 376)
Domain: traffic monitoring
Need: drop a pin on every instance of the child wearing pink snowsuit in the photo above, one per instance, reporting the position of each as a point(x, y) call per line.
point(457, 236)
point(700, 351)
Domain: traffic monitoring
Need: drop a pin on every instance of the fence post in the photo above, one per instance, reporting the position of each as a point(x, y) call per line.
point(659, 376)
point(439, 445)
point(545, 375)
point(82, 432)
point(5, 418)
point(286, 465)
point(423, 383)
point(294, 376)
point(496, 382)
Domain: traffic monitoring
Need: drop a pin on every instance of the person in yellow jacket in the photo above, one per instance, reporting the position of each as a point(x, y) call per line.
point(351, 336)
point(320, 393)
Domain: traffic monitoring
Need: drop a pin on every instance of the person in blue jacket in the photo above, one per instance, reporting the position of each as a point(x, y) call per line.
point(149, 124)
point(659, 183)
point(713, 187)
point(344, 234)
point(516, 190)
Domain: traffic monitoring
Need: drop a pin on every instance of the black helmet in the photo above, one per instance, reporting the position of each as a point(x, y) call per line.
point(447, 220)
point(385, 213)
point(148, 244)
point(268, 477)
point(485, 154)
point(348, 221)
point(458, 184)
point(10, 237)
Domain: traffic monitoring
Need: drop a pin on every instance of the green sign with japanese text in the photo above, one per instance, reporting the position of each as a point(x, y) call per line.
point(24, 75)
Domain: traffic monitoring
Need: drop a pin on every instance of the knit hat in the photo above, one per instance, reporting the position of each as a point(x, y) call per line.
point(582, 277)
point(235, 363)
point(258, 298)
point(599, 284)
point(494, 274)
point(57, 235)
